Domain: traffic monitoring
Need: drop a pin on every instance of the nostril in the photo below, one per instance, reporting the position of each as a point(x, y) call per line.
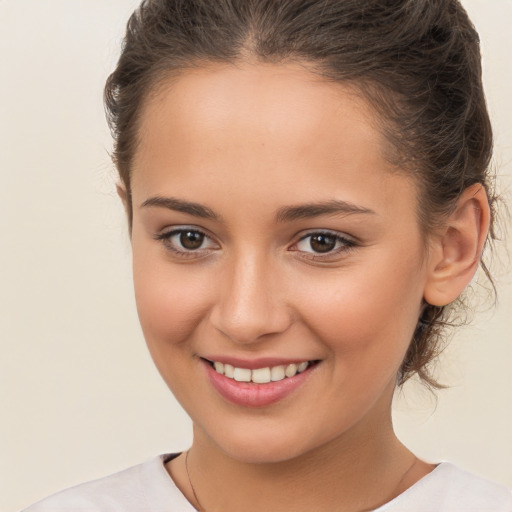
point(249, 325)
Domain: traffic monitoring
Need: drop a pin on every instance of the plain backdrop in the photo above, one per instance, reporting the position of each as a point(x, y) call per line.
point(79, 397)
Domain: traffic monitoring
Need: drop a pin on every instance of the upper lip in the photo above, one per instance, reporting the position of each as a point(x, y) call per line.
point(252, 364)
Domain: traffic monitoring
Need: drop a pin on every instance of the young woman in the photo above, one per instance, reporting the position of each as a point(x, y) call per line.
point(307, 193)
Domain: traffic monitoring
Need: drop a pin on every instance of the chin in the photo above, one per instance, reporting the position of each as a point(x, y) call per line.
point(263, 445)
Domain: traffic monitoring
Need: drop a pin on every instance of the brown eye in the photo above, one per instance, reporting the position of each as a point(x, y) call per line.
point(322, 242)
point(185, 242)
point(191, 240)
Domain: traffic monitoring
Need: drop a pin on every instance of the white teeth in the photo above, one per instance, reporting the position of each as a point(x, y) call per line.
point(260, 375)
point(242, 375)
point(229, 371)
point(302, 366)
point(219, 368)
point(277, 373)
point(291, 370)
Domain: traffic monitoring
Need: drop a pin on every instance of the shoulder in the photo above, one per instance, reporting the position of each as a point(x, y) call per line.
point(451, 489)
point(98, 495)
point(458, 487)
point(136, 489)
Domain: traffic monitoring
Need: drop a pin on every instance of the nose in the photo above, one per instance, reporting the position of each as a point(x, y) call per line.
point(251, 303)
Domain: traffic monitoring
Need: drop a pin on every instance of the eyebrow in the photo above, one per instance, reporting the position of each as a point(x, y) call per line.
point(309, 210)
point(178, 205)
point(285, 214)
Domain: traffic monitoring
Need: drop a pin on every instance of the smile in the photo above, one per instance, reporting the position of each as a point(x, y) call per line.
point(260, 375)
point(266, 383)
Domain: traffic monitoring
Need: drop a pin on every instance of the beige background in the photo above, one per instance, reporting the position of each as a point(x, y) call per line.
point(79, 397)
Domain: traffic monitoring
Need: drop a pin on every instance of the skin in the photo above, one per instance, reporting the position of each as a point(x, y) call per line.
point(245, 142)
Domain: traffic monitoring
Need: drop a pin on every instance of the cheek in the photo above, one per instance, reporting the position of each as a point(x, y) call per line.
point(170, 306)
point(368, 315)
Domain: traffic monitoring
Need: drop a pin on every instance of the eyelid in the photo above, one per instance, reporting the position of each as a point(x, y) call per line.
point(348, 243)
point(165, 235)
point(331, 232)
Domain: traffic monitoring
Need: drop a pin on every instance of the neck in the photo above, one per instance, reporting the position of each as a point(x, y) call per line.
point(359, 471)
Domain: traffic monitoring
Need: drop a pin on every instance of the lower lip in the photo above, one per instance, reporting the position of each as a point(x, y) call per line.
point(248, 394)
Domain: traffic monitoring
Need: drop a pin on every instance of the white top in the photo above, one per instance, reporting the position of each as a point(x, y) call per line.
point(149, 488)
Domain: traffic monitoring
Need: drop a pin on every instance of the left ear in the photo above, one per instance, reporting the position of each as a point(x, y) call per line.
point(456, 249)
point(123, 195)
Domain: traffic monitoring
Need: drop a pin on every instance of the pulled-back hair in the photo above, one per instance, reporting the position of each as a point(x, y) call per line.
point(416, 61)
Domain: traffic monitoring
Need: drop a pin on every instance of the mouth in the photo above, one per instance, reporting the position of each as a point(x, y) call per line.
point(264, 375)
point(258, 382)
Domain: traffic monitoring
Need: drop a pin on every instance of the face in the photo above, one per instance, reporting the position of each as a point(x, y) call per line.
point(270, 234)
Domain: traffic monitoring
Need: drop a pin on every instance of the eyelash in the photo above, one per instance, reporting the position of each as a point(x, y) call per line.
point(166, 239)
point(345, 244)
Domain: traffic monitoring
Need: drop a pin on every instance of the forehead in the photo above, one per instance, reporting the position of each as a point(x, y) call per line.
point(281, 88)
point(254, 122)
point(261, 101)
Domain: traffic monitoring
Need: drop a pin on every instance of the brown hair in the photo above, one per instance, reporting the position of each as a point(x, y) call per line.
point(416, 61)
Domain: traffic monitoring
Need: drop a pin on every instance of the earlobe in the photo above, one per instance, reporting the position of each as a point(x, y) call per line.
point(456, 250)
